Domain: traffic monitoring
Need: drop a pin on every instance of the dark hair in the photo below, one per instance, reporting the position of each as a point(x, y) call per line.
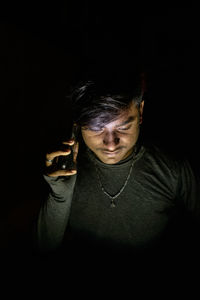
point(96, 102)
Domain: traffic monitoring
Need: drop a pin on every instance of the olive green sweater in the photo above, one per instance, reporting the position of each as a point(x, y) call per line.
point(76, 208)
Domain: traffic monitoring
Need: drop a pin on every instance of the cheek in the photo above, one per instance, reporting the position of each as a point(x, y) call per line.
point(85, 137)
point(131, 137)
point(89, 140)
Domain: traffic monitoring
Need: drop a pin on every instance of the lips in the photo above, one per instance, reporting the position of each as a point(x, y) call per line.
point(109, 153)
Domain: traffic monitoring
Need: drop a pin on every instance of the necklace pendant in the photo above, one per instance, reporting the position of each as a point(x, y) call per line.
point(112, 204)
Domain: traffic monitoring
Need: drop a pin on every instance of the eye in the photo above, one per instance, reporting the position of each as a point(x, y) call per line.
point(124, 128)
point(96, 129)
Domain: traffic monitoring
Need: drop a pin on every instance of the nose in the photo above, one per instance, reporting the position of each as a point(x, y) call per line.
point(111, 140)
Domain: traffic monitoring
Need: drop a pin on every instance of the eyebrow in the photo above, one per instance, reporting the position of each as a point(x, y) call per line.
point(130, 119)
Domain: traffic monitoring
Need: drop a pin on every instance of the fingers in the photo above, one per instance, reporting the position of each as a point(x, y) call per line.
point(70, 142)
point(51, 156)
point(62, 173)
point(52, 169)
point(75, 151)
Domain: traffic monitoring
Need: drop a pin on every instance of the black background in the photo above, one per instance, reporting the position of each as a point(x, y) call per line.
point(44, 47)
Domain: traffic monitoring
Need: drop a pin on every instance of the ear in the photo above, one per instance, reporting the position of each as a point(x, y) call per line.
point(141, 107)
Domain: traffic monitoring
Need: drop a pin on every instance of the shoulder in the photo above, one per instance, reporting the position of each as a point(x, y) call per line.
point(162, 157)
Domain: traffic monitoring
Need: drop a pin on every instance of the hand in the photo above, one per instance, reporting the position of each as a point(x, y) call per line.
point(52, 158)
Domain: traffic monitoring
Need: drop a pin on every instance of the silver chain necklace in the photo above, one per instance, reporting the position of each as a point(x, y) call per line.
point(112, 198)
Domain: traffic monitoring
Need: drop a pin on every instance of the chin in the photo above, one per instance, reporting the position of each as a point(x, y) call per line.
point(110, 160)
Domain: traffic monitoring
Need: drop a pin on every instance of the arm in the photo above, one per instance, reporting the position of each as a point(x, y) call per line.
point(189, 192)
point(189, 189)
point(54, 211)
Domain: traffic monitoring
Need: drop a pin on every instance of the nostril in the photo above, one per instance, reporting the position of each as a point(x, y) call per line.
point(116, 140)
point(108, 141)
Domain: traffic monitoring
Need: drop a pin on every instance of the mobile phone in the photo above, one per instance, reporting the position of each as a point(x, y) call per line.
point(66, 162)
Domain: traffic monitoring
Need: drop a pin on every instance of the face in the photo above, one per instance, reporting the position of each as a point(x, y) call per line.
point(115, 141)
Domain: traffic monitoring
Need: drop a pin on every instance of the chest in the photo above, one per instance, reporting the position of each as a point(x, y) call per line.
point(141, 214)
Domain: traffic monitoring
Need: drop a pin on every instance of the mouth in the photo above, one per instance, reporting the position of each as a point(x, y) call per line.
point(111, 153)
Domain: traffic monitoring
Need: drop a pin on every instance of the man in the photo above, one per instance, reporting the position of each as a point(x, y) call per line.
point(122, 195)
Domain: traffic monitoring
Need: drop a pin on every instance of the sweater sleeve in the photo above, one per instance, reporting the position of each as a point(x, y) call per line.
point(54, 213)
point(189, 189)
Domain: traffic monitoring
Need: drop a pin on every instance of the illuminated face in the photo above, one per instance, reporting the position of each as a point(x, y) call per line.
point(115, 141)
